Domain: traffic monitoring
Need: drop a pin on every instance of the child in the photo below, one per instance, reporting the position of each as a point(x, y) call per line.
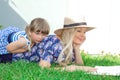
point(14, 41)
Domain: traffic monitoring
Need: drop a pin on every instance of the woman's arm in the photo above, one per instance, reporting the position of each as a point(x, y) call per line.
point(17, 46)
point(51, 52)
point(82, 68)
point(78, 58)
point(44, 64)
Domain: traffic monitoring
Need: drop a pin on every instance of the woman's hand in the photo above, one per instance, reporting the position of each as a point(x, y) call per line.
point(44, 64)
point(78, 57)
point(76, 47)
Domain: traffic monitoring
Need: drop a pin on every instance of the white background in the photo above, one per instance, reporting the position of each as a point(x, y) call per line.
point(105, 16)
point(102, 14)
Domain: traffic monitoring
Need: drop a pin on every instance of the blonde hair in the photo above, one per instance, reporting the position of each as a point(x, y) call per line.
point(67, 43)
point(37, 25)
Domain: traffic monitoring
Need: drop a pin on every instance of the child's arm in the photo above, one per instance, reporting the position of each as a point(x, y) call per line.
point(19, 50)
point(17, 46)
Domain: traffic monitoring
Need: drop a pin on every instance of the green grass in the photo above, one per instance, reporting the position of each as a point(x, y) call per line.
point(22, 70)
point(0, 26)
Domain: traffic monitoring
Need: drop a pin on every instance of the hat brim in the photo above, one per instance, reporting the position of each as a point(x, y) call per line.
point(59, 31)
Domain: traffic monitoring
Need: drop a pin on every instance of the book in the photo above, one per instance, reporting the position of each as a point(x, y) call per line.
point(107, 70)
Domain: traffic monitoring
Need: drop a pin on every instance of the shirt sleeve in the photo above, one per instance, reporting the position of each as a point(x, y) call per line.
point(50, 49)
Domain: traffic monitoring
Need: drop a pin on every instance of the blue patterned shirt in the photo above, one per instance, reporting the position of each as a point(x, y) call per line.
point(48, 49)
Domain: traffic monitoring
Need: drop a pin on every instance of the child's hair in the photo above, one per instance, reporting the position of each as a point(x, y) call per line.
point(38, 25)
point(67, 43)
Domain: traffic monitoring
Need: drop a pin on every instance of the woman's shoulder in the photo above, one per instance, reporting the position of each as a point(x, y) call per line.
point(51, 38)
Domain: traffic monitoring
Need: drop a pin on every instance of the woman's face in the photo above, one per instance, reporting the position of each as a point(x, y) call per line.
point(79, 37)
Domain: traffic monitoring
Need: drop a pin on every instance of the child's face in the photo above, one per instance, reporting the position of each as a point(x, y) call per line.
point(36, 37)
point(80, 37)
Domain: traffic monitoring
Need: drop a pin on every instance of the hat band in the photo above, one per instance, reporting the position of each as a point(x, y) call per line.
point(75, 24)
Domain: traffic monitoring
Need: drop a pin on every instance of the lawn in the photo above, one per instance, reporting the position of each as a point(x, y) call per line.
point(22, 70)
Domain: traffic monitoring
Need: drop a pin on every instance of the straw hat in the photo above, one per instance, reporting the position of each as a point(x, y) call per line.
point(73, 23)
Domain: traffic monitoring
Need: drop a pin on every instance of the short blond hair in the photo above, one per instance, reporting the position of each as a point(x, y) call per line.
point(38, 25)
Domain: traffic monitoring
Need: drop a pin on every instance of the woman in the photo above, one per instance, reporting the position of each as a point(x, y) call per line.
point(72, 37)
point(64, 47)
